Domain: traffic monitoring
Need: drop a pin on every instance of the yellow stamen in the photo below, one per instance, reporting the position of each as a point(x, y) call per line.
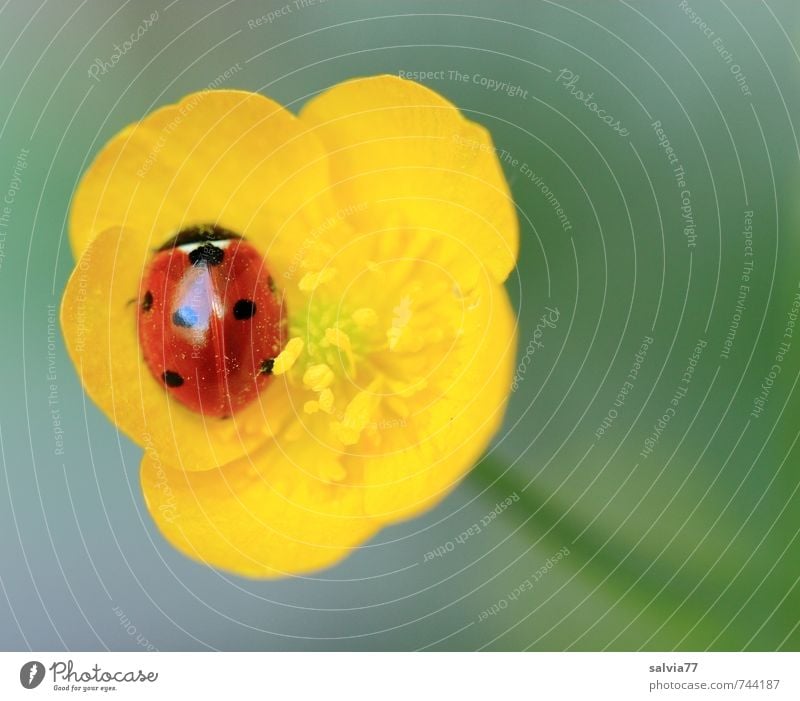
point(400, 320)
point(318, 377)
point(311, 407)
point(326, 401)
point(311, 281)
point(356, 417)
point(288, 356)
point(365, 317)
point(338, 338)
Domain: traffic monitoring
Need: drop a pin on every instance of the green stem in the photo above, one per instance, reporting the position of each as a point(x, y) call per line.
point(621, 572)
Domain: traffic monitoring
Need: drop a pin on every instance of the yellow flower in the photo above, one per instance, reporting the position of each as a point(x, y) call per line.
point(385, 220)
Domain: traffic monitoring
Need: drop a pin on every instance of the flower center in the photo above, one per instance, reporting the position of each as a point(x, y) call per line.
point(330, 343)
point(332, 334)
point(361, 358)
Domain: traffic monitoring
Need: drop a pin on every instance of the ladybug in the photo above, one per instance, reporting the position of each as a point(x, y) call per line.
point(210, 320)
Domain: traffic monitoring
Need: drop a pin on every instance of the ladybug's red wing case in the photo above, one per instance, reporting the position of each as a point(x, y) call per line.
point(253, 326)
point(210, 321)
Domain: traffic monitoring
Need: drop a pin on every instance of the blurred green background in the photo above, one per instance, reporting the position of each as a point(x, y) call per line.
point(690, 545)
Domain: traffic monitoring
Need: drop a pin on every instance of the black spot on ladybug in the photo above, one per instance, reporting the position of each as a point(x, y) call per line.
point(185, 317)
point(244, 309)
point(147, 301)
point(172, 379)
point(207, 253)
point(267, 365)
point(199, 234)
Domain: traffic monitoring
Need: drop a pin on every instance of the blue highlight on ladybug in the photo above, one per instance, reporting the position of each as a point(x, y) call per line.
point(186, 317)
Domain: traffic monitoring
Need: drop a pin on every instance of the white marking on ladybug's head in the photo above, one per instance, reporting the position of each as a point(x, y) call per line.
point(189, 247)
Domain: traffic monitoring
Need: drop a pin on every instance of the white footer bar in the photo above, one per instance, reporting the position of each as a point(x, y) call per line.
point(400, 676)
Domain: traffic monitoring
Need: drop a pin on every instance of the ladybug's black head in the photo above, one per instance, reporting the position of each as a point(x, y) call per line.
point(201, 233)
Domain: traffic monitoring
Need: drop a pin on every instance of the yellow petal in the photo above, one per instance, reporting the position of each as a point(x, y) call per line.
point(311, 281)
point(98, 317)
point(228, 157)
point(412, 160)
point(264, 516)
